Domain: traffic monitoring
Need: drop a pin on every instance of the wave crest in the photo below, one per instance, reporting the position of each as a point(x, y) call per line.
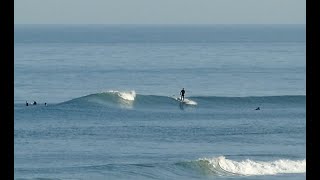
point(126, 95)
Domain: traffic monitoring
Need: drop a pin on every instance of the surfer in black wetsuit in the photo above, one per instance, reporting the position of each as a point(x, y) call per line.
point(182, 94)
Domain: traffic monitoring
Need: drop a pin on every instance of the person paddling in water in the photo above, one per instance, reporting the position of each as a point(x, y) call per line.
point(182, 94)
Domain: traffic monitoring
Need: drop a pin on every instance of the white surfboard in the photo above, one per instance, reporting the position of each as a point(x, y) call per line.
point(186, 101)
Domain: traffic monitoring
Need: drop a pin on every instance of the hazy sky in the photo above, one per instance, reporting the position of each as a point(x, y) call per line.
point(160, 11)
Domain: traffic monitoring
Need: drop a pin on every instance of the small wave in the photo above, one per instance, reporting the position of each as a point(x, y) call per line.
point(130, 99)
point(223, 166)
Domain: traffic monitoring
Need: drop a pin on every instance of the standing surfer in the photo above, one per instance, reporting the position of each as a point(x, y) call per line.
point(182, 94)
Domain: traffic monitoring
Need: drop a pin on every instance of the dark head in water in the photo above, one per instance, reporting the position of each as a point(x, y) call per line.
point(258, 108)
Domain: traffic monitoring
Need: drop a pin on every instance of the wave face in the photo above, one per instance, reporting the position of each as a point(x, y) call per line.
point(130, 99)
point(226, 167)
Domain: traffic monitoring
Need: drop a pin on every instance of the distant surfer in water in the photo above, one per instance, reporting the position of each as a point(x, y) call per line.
point(27, 104)
point(182, 94)
point(258, 108)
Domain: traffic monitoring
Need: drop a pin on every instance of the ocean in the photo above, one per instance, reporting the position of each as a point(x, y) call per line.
point(112, 111)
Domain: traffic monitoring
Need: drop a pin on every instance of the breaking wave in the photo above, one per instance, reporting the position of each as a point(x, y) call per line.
point(224, 167)
point(129, 95)
point(130, 99)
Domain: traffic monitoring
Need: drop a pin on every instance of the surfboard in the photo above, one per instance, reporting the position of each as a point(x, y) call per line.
point(186, 101)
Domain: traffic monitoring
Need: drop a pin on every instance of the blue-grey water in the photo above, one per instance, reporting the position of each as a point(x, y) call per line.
point(112, 111)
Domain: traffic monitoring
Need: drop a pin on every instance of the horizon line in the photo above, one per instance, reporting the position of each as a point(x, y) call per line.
point(159, 24)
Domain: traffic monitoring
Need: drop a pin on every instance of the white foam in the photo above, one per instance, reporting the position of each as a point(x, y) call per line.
point(249, 167)
point(190, 102)
point(187, 101)
point(126, 95)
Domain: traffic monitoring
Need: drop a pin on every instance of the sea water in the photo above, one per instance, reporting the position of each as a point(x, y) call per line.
point(112, 111)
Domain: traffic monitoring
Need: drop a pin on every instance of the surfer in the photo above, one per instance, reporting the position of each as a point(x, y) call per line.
point(34, 103)
point(258, 108)
point(27, 104)
point(182, 94)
